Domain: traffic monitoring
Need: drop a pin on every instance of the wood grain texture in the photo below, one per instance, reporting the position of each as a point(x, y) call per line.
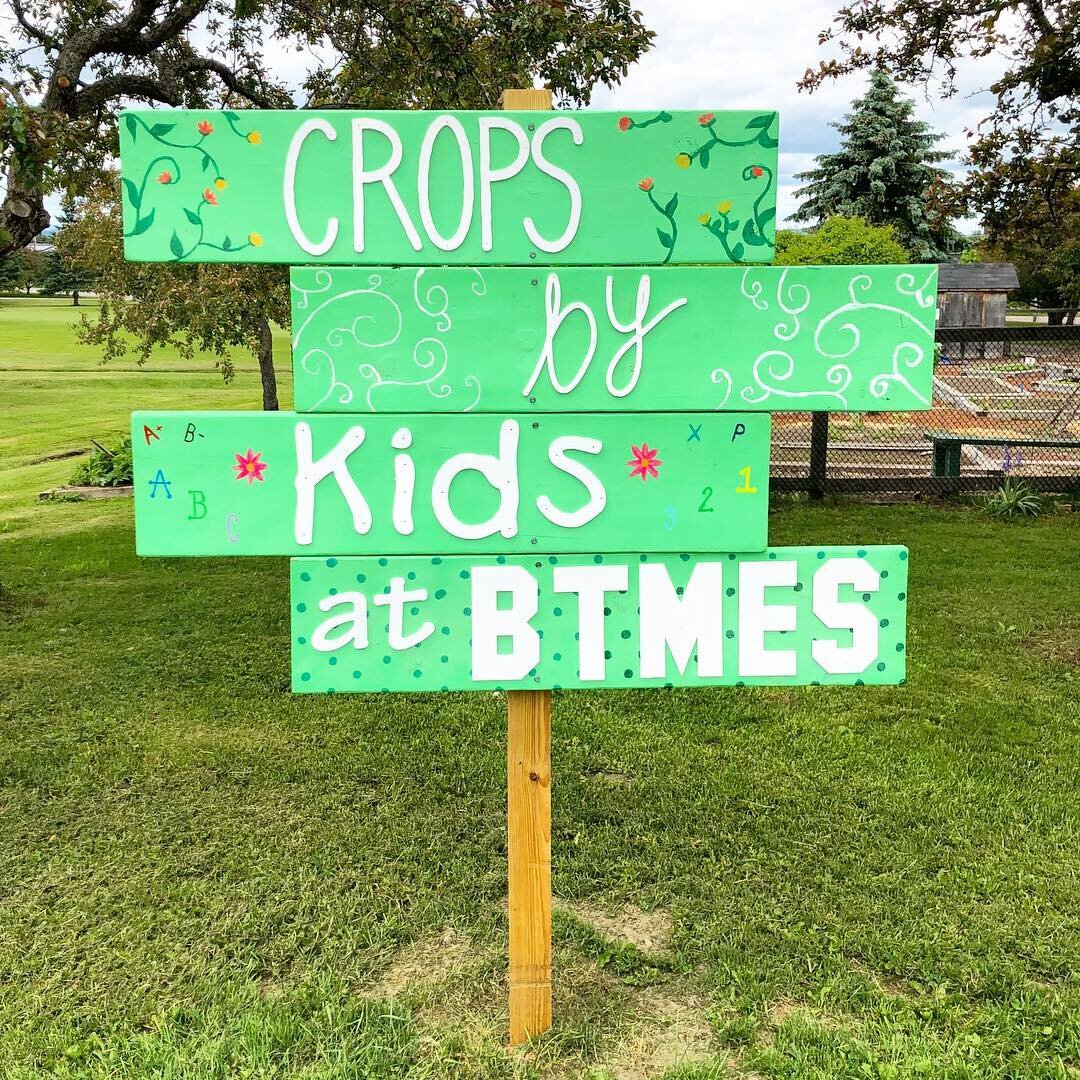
point(528, 816)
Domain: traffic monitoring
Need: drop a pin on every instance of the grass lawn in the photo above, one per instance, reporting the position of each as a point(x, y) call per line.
point(202, 876)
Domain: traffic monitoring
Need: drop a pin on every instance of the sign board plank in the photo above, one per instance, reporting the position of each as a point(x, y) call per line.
point(785, 616)
point(456, 339)
point(249, 483)
point(467, 188)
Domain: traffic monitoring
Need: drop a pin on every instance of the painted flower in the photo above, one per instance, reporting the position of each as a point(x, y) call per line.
point(220, 184)
point(254, 138)
point(645, 462)
point(250, 466)
point(724, 207)
point(683, 160)
point(646, 184)
point(210, 197)
point(625, 123)
point(165, 177)
point(704, 219)
point(757, 170)
point(205, 127)
point(254, 239)
point(705, 119)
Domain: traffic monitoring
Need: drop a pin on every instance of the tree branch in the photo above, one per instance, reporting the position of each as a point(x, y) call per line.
point(35, 33)
point(226, 75)
point(113, 86)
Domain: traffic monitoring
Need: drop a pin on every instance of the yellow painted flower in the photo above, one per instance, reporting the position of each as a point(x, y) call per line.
point(683, 160)
point(220, 184)
point(254, 239)
point(704, 219)
point(254, 138)
point(724, 207)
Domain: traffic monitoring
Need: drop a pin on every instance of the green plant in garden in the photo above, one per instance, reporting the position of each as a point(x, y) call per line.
point(106, 468)
point(1014, 499)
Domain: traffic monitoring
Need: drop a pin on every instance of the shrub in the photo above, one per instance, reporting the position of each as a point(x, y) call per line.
point(1014, 499)
point(106, 468)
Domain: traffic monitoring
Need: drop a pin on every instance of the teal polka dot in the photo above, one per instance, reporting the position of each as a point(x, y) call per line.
point(772, 554)
point(466, 611)
point(386, 659)
point(356, 674)
point(598, 558)
point(607, 654)
point(729, 634)
point(815, 682)
point(729, 591)
point(333, 592)
point(866, 598)
point(625, 635)
point(881, 666)
point(445, 630)
point(417, 673)
point(884, 573)
point(903, 556)
point(556, 656)
point(445, 659)
point(899, 646)
point(628, 674)
point(821, 554)
point(384, 562)
point(798, 586)
point(859, 682)
point(332, 661)
point(361, 578)
point(464, 575)
point(643, 558)
point(305, 576)
point(411, 575)
point(305, 676)
point(436, 561)
point(331, 562)
point(500, 559)
point(414, 611)
point(301, 607)
point(901, 596)
point(556, 611)
point(552, 560)
point(740, 683)
point(861, 553)
point(607, 611)
point(301, 641)
point(685, 558)
point(440, 593)
point(731, 557)
point(883, 623)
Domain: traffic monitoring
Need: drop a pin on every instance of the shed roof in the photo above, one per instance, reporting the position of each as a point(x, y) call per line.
point(977, 277)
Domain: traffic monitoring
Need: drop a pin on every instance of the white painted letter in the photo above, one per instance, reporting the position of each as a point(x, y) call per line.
point(489, 623)
point(756, 618)
point(635, 327)
point(381, 175)
point(396, 599)
point(355, 619)
point(564, 178)
point(850, 615)
point(669, 621)
point(574, 519)
point(590, 583)
point(423, 183)
point(404, 482)
point(309, 473)
point(500, 472)
point(556, 315)
point(291, 158)
point(488, 175)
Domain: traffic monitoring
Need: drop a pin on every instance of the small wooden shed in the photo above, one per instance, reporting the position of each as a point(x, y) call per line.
point(974, 294)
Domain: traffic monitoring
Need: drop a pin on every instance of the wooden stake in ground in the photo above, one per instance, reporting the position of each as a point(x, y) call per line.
point(528, 816)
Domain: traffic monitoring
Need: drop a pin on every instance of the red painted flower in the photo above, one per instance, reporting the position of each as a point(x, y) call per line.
point(625, 123)
point(210, 197)
point(205, 127)
point(165, 177)
point(646, 184)
point(645, 462)
point(757, 170)
point(706, 118)
point(250, 466)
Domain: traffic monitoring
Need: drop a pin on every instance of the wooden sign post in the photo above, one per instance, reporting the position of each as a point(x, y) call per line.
point(531, 450)
point(528, 814)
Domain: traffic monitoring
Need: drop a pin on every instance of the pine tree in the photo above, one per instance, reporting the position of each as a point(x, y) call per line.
point(884, 171)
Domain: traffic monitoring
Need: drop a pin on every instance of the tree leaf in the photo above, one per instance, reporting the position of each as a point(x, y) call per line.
point(665, 238)
point(176, 245)
point(157, 130)
point(192, 217)
point(672, 204)
point(763, 121)
point(131, 125)
point(143, 224)
point(704, 155)
point(132, 193)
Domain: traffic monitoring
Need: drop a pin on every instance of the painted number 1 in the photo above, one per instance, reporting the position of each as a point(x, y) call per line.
point(745, 489)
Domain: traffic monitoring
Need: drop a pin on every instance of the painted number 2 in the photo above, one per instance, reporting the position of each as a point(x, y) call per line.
point(746, 488)
point(706, 495)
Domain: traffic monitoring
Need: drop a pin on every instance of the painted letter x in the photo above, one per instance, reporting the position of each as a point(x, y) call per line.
point(695, 433)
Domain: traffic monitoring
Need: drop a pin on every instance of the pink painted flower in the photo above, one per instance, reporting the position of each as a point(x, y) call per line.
point(250, 466)
point(646, 184)
point(757, 170)
point(705, 119)
point(645, 462)
point(165, 177)
point(205, 127)
point(625, 123)
point(210, 197)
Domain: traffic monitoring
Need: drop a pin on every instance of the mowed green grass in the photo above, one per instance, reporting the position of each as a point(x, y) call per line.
point(202, 876)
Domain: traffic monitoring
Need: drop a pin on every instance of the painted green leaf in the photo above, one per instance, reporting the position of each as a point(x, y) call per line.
point(665, 238)
point(176, 245)
point(132, 193)
point(157, 130)
point(737, 252)
point(750, 234)
point(703, 157)
point(763, 121)
point(229, 115)
point(665, 117)
point(765, 217)
point(143, 224)
point(226, 243)
point(766, 140)
point(672, 204)
point(192, 217)
point(131, 125)
point(206, 162)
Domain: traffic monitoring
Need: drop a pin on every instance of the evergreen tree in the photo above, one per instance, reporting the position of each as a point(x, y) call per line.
point(62, 272)
point(886, 172)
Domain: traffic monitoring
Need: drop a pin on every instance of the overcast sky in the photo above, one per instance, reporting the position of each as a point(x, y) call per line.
point(721, 54)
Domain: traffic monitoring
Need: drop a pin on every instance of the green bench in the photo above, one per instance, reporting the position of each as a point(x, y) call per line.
point(947, 446)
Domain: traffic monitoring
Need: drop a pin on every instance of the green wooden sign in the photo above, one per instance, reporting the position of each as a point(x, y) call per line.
point(246, 483)
point(455, 339)
point(784, 616)
point(468, 188)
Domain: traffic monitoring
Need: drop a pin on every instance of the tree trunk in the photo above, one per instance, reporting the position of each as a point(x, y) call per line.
point(266, 366)
point(74, 297)
point(22, 213)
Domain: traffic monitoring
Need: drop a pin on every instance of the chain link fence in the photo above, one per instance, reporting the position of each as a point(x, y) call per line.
point(1006, 403)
